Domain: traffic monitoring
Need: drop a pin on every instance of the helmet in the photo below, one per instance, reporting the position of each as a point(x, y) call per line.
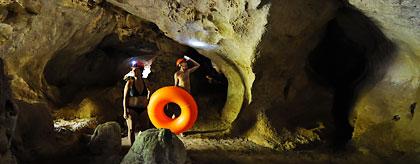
point(180, 60)
point(137, 64)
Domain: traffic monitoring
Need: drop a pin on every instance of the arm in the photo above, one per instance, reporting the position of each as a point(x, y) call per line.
point(196, 65)
point(148, 91)
point(127, 85)
point(175, 80)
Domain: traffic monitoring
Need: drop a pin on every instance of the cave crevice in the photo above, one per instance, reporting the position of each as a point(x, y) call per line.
point(346, 61)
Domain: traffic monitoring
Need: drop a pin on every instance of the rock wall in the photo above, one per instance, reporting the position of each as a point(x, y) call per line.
point(271, 97)
point(6, 129)
point(227, 32)
point(289, 108)
point(49, 32)
point(385, 114)
point(33, 32)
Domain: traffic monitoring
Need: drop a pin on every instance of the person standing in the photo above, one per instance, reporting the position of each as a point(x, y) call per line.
point(182, 76)
point(135, 98)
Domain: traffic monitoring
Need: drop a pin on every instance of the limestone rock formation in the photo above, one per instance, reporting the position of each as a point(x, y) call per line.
point(284, 95)
point(105, 143)
point(35, 138)
point(69, 55)
point(156, 146)
point(31, 34)
point(399, 91)
point(36, 36)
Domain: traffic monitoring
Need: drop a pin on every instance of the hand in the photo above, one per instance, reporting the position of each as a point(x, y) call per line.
point(187, 58)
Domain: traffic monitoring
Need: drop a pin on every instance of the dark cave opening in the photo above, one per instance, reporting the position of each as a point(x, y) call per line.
point(351, 56)
point(341, 63)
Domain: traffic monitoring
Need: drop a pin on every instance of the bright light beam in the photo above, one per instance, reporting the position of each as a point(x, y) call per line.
point(199, 44)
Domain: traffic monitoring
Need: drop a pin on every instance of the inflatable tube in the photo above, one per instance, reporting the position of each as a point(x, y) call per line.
point(179, 96)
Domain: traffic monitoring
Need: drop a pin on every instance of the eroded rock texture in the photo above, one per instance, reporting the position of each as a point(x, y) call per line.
point(32, 33)
point(317, 63)
point(386, 115)
point(105, 143)
point(39, 37)
point(283, 113)
point(156, 146)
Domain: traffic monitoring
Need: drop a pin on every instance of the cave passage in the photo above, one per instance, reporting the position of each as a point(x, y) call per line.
point(340, 63)
point(209, 89)
point(353, 54)
point(89, 81)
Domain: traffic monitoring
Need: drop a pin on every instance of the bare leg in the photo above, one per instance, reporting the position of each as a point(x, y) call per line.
point(130, 128)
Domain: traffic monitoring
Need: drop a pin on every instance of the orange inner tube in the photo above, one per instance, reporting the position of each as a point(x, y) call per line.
point(179, 96)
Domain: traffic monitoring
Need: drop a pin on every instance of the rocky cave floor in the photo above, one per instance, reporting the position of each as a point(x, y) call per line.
point(238, 150)
point(203, 149)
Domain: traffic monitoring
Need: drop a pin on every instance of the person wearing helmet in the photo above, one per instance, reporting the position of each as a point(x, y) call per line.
point(182, 79)
point(182, 76)
point(135, 98)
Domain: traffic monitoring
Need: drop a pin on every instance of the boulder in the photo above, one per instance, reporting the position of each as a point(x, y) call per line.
point(105, 143)
point(156, 146)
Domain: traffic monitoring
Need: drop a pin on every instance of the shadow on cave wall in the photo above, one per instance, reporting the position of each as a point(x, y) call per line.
point(353, 55)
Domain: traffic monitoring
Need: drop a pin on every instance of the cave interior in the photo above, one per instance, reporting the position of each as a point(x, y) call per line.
point(298, 92)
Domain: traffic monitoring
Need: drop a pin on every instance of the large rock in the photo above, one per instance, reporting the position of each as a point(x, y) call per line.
point(105, 143)
point(155, 146)
point(34, 137)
